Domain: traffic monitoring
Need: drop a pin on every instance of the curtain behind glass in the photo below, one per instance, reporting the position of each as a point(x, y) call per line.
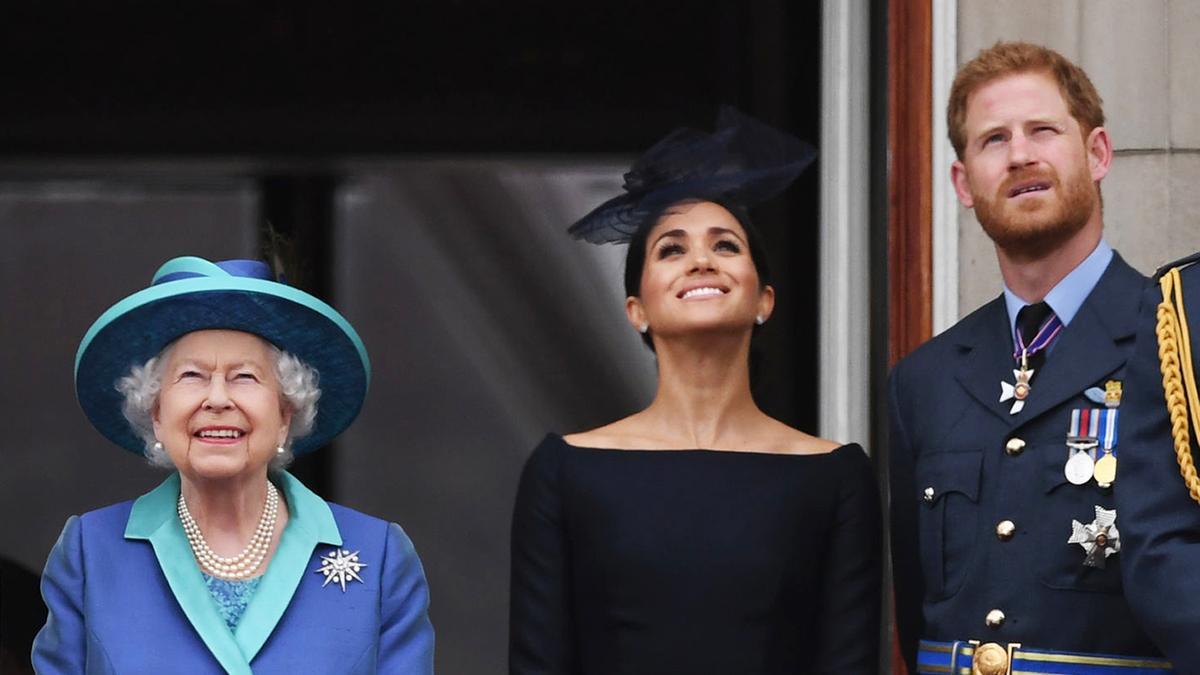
point(71, 249)
point(487, 327)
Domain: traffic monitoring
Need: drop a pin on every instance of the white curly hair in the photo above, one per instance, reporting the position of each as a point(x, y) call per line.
point(298, 389)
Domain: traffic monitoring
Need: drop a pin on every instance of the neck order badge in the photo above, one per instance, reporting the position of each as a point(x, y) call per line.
point(1026, 348)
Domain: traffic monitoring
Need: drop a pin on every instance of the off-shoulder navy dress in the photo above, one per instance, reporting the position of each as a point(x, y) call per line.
point(695, 562)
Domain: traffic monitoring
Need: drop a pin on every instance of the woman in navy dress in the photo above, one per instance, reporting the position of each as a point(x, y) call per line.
point(698, 535)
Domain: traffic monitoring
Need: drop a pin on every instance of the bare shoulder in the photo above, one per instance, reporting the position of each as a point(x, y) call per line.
point(795, 442)
point(763, 435)
point(620, 435)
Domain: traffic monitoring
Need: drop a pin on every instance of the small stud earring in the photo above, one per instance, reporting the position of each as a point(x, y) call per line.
point(280, 450)
point(158, 446)
point(759, 320)
point(644, 328)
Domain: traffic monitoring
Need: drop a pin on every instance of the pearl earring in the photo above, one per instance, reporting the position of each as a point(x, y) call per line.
point(280, 450)
point(644, 328)
point(759, 320)
point(158, 446)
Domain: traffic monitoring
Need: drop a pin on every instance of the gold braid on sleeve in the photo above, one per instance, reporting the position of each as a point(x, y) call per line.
point(1178, 377)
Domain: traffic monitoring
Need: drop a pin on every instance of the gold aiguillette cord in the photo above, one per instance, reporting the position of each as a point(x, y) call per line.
point(1178, 377)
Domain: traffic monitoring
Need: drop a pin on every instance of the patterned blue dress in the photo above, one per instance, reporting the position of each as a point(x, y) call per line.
point(232, 597)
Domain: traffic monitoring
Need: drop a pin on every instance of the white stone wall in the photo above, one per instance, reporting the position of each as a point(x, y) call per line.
point(1144, 57)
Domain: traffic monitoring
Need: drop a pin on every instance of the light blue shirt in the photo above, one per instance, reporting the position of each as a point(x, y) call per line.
point(1068, 295)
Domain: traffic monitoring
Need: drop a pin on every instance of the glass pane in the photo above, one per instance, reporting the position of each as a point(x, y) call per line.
point(487, 327)
point(72, 249)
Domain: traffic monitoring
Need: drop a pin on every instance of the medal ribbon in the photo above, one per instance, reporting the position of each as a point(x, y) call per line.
point(1045, 335)
point(1109, 427)
point(1087, 423)
point(1097, 423)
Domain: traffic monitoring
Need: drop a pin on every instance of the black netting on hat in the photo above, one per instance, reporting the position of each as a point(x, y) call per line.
point(742, 163)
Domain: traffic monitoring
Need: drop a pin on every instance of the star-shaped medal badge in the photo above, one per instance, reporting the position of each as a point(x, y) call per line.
point(339, 567)
point(1019, 390)
point(1098, 538)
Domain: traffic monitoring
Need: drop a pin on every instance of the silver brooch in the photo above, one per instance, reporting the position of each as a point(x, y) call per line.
point(339, 567)
point(1098, 538)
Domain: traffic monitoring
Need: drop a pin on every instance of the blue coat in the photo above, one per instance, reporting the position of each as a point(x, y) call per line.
point(953, 482)
point(1161, 534)
point(126, 596)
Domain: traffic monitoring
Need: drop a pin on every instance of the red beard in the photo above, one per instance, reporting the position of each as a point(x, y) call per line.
point(1037, 225)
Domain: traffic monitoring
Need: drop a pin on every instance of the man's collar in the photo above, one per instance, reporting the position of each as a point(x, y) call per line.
point(1068, 295)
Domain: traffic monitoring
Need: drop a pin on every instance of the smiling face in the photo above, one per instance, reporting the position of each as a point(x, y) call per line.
point(1027, 168)
point(220, 413)
point(698, 275)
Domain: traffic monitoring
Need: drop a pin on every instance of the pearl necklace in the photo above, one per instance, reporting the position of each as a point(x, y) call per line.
point(245, 563)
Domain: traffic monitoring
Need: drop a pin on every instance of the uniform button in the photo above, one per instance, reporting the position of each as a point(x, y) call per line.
point(1014, 446)
point(1005, 530)
point(994, 619)
point(929, 494)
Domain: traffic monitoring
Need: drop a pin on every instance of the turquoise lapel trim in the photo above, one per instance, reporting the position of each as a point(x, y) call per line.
point(153, 517)
point(310, 522)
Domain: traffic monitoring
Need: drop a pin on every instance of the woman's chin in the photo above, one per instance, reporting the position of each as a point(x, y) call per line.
point(209, 465)
point(701, 326)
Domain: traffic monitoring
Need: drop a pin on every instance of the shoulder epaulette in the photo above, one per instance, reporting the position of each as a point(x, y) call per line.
point(1181, 263)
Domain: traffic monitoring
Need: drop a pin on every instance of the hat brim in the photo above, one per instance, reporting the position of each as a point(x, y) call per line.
point(620, 218)
point(741, 164)
point(140, 326)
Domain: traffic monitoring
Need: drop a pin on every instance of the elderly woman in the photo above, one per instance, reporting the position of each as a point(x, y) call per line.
point(699, 535)
point(222, 374)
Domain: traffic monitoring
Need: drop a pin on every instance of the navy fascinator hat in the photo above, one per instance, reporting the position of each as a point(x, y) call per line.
point(743, 162)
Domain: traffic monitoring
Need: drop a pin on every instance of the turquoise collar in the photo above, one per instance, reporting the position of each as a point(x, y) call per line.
point(310, 522)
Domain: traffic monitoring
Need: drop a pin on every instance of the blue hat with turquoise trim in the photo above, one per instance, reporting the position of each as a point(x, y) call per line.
point(189, 294)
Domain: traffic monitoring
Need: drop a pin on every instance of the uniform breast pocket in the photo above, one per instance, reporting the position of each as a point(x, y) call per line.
point(948, 492)
point(1061, 564)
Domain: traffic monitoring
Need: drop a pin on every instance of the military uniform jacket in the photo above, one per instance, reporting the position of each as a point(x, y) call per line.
point(1161, 530)
point(953, 484)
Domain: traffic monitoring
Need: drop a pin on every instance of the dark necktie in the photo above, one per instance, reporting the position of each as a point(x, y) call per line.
point(1030, 321)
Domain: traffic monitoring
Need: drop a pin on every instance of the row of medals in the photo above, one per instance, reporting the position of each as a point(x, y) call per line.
point(1082, 464)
